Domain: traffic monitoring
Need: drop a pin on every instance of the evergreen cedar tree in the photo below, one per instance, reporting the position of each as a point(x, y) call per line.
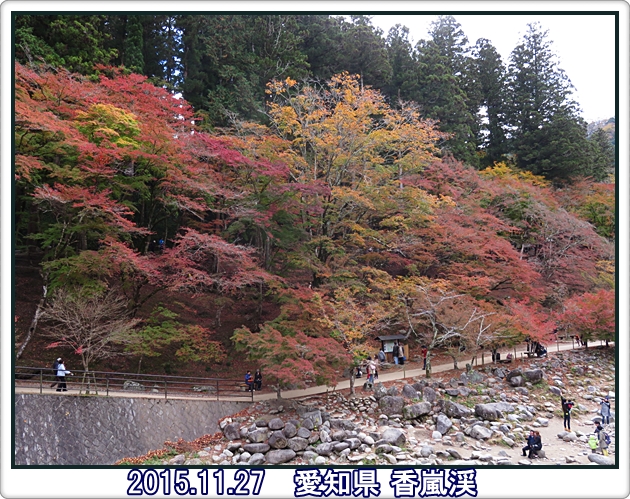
point(520, 109)
point(338, 214)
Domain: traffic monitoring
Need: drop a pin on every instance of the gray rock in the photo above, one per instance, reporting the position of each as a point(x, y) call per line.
point(415, 411)
point(383, 449)
point(454, 453)
point(279, 456)
point(315, 417)
point(522, 390)
point(309, 454)
point(513, 374)
point(261, 423)
point(297, 444)
point(354, 442)
point(308, 423)
point(289, 430)
point(508, 441)
point(319, 461)
point(428, 394)
point(258, 448)
point(436, 435)
point(133, 386)
point(379, 391)
point(258, 436)
point(277, 440)
point(303, 433)
point(517, 381)
point(409, 392)
point(340, 446)
point(393, 391)
point(394, 436)
point(276, 424)
point(455, 410)
point(325, 449)
point(338, 435)
point(480, 432)
point(533, 375)
point(601, 460)
point(342, 424)
point(555, 390)
point(179, 459)
point(256, 459)
point(443, 424)
point(232, 431)
point(463, 391)
point(391, 405)
point(493, 411)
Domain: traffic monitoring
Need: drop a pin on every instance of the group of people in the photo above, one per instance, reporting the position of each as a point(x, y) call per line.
point(534, 444)
point(370, 365)
point(253, 382)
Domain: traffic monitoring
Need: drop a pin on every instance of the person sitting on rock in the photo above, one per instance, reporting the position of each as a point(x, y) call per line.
point(530, 444)
point(537, 445)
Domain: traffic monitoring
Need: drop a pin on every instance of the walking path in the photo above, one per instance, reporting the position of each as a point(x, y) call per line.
point(395, 373)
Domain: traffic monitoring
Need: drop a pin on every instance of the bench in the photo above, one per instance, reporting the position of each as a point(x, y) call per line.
point(244, 387)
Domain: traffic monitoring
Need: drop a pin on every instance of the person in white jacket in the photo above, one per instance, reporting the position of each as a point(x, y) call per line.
point(61, 376)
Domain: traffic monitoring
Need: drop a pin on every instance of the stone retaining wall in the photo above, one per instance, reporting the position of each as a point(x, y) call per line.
point(70, 430)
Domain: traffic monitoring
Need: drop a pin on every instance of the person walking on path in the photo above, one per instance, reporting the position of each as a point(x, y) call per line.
point(55, 369)
point(371, 368)
point(61, 376)
point(567, 406)
point(258, 380)
point(424, 352)
point(601, 435)
point(605, 411)
point(395, 352)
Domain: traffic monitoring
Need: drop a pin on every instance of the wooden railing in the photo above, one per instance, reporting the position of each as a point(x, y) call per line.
point(117, 383)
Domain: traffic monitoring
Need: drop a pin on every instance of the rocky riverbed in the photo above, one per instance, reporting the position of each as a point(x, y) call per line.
point(475, 417)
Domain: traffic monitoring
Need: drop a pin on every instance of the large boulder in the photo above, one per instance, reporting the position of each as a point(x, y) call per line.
point(314, 416)
point(443, 424)
point(258, 448)
point(297, 444)
point(480, 432)
point(289, 430)
point(277, 440)
point(325, 449)
point(379, 391)
point(455, 410)
point(429, 394)
point(517, 381)
point(258, 436)
point(601, 460)
point(303, 433)
point(391, 405)
point(493, 411)
point(232, 431)
point(275, 424)
point(409, 392)
point(342, 424)
point(513, 374)
point(393, 436)
point(279, 456)
point(415, 411)
point(533, 375)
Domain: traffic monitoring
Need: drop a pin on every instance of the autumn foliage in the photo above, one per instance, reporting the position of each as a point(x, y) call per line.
point(339, 215)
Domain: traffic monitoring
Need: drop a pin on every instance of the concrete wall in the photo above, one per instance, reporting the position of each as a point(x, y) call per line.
point(71, 430)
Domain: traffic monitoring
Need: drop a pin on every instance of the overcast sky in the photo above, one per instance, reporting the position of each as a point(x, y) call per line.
point(585, 45)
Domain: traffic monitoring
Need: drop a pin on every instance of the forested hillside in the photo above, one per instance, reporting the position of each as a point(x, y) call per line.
point(283, 189)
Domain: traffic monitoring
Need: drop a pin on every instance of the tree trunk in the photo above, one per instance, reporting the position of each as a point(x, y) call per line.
point(36, 316)
point(427, 371)
point(352, 382)
point(278, 390)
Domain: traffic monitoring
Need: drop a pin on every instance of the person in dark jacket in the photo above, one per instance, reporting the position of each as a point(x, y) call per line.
point(567, 406)
point(530, 444)
point(258, 380)
point(395, 352)
point(249, 381)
